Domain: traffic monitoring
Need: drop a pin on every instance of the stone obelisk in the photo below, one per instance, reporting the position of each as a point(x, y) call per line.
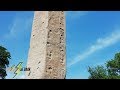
point(47, 53)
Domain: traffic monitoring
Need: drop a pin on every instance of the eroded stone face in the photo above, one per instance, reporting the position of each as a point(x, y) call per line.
point(47, 53)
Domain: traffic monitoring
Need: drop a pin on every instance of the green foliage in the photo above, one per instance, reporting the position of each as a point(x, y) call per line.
point(4, 61)
point(98, 72)
point(113, 67)
point(111, 71)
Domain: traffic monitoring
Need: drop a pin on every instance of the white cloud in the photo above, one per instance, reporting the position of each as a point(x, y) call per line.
point(101, 43)
point(76, 14)
point(18, 27)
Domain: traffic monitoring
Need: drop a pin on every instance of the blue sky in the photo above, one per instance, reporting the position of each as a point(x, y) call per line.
point(92, 38)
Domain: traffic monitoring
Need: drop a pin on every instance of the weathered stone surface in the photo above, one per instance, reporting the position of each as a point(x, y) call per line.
point(47, 53)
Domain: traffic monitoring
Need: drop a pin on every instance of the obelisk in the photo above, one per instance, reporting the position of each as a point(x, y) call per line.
point(47, 52)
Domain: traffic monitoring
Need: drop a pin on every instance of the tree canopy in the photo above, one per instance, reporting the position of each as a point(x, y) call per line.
point(110, 71)
point(4, 61)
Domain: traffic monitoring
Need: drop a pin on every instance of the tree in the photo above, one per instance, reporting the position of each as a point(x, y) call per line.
point(98, 72)
point(111, 71)
point(4, 61)
point(113, 67)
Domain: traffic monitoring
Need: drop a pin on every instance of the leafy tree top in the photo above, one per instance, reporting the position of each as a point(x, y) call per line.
point(4, 61)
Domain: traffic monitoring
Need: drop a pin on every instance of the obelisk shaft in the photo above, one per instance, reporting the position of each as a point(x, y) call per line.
point(47, 53)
